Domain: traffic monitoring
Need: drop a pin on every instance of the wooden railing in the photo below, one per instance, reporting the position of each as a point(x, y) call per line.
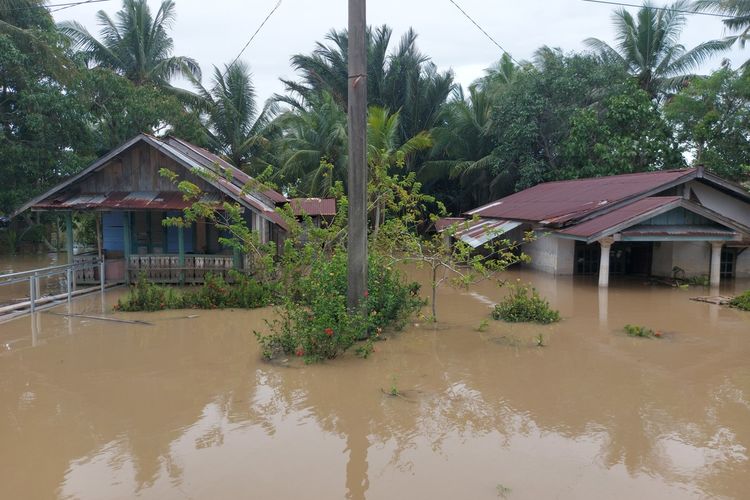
point(166, 268)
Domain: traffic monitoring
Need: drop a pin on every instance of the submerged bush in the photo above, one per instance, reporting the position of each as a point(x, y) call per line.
point(314, 322)
point(243, 293)
point(742, 301)
point(147, 296)
point(524, 304)
point(641, 331)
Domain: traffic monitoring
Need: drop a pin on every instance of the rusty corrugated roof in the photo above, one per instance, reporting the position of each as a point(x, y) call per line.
point(476, 232)
point(564, 201)
point(602, 223)
point(125, 200)
point(313, 206)
point(210, 160)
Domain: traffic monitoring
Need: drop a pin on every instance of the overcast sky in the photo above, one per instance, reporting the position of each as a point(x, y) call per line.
point(213, 32)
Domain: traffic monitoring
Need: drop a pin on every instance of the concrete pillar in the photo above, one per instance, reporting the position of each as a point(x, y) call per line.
point(126, 244)
point(716, 247)
point(606, 244)
point(69, 235)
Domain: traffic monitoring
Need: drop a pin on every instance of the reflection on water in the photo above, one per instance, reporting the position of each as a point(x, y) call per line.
point(26, 262)
point(185, 408)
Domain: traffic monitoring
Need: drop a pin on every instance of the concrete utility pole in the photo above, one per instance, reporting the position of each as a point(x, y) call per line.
point(357, 118)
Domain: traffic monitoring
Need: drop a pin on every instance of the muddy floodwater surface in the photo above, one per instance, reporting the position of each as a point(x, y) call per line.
point(185, 407)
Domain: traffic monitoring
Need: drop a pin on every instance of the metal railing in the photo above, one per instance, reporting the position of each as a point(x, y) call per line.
point(33, 276)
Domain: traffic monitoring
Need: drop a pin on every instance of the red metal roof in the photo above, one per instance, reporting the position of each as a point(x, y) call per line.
point(564, 201)
point(313, 206)
point(622, 215)
point(124, 200)
point(210, 160)
point(444, 223)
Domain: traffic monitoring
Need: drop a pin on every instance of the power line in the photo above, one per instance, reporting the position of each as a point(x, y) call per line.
point(62, 6)
point(483, 31)
point(668, 9)
point(276, 7)
point(74, 4)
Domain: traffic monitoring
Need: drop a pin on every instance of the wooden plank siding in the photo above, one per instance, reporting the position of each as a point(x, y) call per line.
point(137, 169)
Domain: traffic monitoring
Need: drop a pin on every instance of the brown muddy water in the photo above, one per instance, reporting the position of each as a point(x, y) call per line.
point(185, 408)
point(26, 262)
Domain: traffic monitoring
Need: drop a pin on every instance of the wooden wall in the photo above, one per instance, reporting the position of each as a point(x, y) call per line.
point(137, 169)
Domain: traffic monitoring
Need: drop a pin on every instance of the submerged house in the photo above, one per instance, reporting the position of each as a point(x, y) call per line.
point(685, 223)
point(131, 197)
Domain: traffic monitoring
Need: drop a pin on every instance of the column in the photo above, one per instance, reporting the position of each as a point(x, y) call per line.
point(716, 247)
point(69, 235)
point(606, 244)
point(181, 252)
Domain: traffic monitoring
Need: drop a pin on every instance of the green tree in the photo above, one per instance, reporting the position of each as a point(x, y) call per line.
point(43, 136)
point(712, 119)
point(313, 146)
point(117, 109)
point(402, 80)
point(236, 127)
point(738, 13)
point(531, 118)
point(626, 134)
point(463, 151)
point(648, 47)
point(135, 44)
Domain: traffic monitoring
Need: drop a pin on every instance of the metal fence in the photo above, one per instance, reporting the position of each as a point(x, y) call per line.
point(67, 272)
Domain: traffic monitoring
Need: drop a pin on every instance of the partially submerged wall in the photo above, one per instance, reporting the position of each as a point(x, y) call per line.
point(551, 254)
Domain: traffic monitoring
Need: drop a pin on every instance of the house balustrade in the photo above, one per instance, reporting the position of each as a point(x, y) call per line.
point(166, 268)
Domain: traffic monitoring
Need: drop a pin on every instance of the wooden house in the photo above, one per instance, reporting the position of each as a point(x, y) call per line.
point(131, 197)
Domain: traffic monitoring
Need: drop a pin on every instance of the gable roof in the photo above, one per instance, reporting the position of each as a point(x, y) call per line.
point(220, 174)
point(639, 211)
point(325, 207)
point(561, 202)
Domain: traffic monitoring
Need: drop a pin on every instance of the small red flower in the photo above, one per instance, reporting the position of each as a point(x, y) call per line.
point(300, 352)
point(367, 294)
point(328, 331)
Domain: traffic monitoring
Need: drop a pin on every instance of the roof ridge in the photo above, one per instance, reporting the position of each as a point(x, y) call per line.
point(630, 174)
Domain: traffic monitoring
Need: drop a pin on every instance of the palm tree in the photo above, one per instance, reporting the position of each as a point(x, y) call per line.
point(386, 152)
point(135, 44)
point(463, 148)
point(314, 145)
point(648, 47)
point(738, 12)
point(403, 79)
point(236, 128)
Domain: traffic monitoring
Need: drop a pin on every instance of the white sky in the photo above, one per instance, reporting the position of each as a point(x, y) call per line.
point(213, 32)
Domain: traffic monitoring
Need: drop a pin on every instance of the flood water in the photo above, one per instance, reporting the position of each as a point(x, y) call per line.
point(185, 408)
point(26, 262)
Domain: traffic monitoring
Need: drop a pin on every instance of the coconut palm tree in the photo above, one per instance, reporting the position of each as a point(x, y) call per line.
point(135, 44)
point(236, 127)
point(314, 145)
point(648, 47)
point(463, 147)
point(385, 153)
point(738, 13)
point(403, 79)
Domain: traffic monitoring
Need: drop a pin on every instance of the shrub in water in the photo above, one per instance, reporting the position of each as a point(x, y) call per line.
point(147, 296)
point(243, 293)
point(524, 304)
point(314, 322)
point(640, 331)
point(742, 301)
